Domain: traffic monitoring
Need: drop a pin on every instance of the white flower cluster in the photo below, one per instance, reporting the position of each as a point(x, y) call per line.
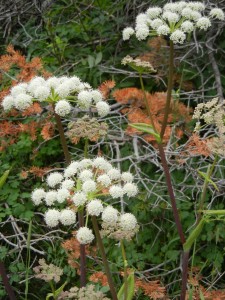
point(173, 20)
point(80, 186)
point(56, 90)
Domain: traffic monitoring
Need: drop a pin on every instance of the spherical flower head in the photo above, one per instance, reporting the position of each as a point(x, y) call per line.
point(156, 23)
point(79, 198)
point(62, 108)
point(186, 12)
point(217, 13)
point(101, 163)
point(195, 15)
point(141, 19)
point(22, 101)
point(62, 195)
point(35, 83)
point(116, 191)
point(20, 88)
point(104, 180)
point(71, 170)
point(178, 37)
point(175, 7)
point(128, 222)
point(84, 235)
point(141, 31)
point(52, 217)
point(110, 215)
point(50, 198)
point(37, 196)
point(127, 33)
point(203, 23)
point(67, 184)
point(74, 83)
point(163, 30)
point(187, 26)
point(130, 189)
point(96, 96)
point(52, 82)
point(85, 175)
point(8, 103)
point(95, 207)
point(103, 108)
point(67, 217)
point(84, 99)
point(41, 93)
point(89, 186)
point(54, 178)
point(199, 6)
point(171, 17)
point(153, 12)
point(85, 163)
point(127, 177)
point(63, 90)
point(114, 174)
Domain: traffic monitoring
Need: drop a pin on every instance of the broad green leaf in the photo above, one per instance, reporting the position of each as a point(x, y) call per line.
point(146, 128)
point(91, 61)
point(98, 58)
point(130, 290)
point(3, 178)
point(205, 176)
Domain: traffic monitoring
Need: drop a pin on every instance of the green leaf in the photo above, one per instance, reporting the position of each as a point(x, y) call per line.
point(130, 283)
point(194, 235)
point(98, 58)
point(205, 176)
point(146, 128)
point(60, 289)
point(91, 61)
point(3, 178)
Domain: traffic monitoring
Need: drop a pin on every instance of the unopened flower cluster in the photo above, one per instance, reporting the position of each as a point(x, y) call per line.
point(47, 272)
point(212, 113)
point(60, 91)
point(84, 293)
point(80, 186)
point(175, 20)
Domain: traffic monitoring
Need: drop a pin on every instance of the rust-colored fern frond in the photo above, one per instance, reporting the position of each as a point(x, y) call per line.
point(106, 87)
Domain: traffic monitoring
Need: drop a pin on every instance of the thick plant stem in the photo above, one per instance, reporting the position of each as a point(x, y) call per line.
point(125, 270)
point(6, 283)
point(169, 90)
point(80, 214)
point(185, 257)
point(104, 259)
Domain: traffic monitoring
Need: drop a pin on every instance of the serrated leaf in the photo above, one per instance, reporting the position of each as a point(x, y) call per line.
point(146, 128)
point(206, 177)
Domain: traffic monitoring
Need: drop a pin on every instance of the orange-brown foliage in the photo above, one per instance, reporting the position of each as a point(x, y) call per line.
point(152, 289)
point(197, 146)
point(106, 87)
point(99, 277)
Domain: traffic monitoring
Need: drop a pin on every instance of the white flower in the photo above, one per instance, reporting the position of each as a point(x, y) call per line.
point(141, 19)
point(130, 189)
point(52, 217)
point(128, 222)
point(67, 184)
point(195, 15)
point(103, 108)
point(178, 37)
point(19, 89)
point(8, 103)
point(156, 23)
point(196, 6)
point(187, 26)
point(110, 215)
point(74, 83)
point(37, 196)
point(127, 177)
point(85, 163)
point(114, 174)
point(54, 178)
point(63, 89)
point(217, 13)
point(203, 23)
point(67, 217)
point(89, 186)
point(163, 30)
point(95, 207)
point(171, 17)
point(22, 101)
point(84, 235)
point(71, 170)
point(35, 83)
point(96, 96)
point(141, 31)
point(175, 7)
point(62, 108)
point(127, 33)
point(85, 175)
point(101, 163)
point(79, 198)
point(41, 93)
point(153, 12)
point(52, 82)
point(62, 195)
point(84, 99)
point(50, 198)
point(104, 180)
point(116, 191)
point(186, 12)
